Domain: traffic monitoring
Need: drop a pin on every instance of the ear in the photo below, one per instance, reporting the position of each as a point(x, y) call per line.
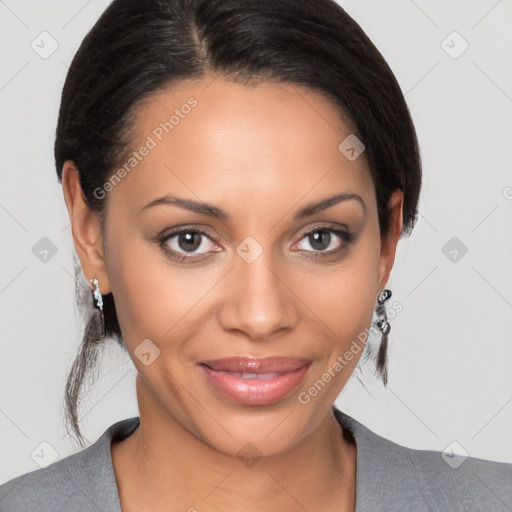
point(389, 241)
point(86, 229)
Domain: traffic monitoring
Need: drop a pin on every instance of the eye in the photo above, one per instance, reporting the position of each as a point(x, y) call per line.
point(187, 242)
point(324, 239)
point(192, 242)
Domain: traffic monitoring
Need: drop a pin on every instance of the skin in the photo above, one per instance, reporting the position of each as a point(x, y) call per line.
point(259, 152)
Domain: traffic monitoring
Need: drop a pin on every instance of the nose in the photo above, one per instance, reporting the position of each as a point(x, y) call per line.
point(258, 301)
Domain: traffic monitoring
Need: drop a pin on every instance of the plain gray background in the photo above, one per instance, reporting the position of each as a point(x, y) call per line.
point(450, 346)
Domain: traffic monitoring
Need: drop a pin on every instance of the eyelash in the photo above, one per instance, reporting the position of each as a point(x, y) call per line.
point(348, 239)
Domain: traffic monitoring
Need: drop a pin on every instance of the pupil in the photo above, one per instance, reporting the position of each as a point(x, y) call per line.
point(188, 238)
point(318, 241)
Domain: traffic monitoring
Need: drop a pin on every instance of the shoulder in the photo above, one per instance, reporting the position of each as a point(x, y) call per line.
point(82, 481)
point(398, 476)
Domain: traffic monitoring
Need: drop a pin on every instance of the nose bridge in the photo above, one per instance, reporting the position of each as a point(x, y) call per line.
point(258, 302)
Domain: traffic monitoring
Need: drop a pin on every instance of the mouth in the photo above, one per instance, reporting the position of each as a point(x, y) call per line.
point(255, 381)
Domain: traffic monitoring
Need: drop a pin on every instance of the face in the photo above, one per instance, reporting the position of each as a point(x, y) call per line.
point(258, 273)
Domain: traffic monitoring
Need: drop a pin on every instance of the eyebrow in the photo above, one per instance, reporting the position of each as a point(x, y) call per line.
point(214, 211)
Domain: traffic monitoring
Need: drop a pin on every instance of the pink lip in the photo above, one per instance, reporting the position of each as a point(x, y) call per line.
point(279, 376)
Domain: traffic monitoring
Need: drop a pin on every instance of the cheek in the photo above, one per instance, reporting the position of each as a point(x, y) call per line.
point(154, 298)
point(136, 286)
point(347, 303)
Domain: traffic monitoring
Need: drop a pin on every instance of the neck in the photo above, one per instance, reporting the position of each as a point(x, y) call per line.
point(174, 467)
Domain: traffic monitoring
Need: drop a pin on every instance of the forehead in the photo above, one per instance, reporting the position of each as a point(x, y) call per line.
point(223, 142)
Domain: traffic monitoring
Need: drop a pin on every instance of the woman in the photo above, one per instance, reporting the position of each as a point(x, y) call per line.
point(238, 175)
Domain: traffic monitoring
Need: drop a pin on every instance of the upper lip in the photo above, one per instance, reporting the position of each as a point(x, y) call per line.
point(257, 365)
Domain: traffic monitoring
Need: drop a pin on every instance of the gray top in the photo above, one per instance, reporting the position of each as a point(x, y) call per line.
point(390, 477)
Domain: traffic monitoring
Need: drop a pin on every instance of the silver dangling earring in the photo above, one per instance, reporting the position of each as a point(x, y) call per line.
point(99, 302)
point(383, 323)
point(384, 327)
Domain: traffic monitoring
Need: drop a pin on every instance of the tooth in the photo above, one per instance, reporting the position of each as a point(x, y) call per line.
point(260, 375)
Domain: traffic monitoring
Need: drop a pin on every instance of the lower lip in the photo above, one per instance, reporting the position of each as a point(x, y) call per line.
point(255, 391)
